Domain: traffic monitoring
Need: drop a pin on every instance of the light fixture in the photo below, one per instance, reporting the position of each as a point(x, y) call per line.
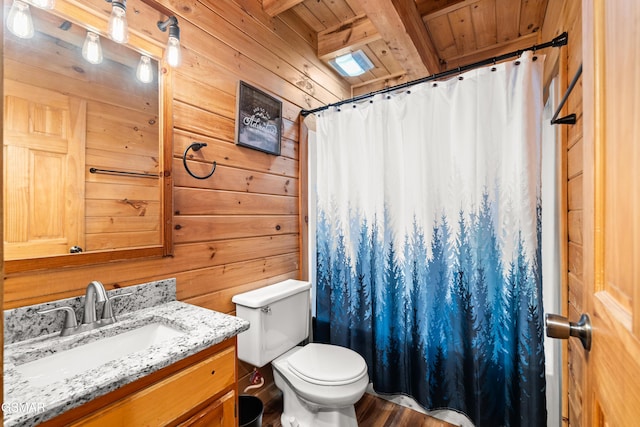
point(43, 4)
point(118, 28)
point(19, 21)
point(144, 73)
point(91, 49)
point(352, 64)
point(173, 54)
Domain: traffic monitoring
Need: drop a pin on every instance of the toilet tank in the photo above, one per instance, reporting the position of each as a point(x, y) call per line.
point(279, 317)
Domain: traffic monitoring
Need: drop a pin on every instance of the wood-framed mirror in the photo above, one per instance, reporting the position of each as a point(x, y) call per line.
point(87, 147)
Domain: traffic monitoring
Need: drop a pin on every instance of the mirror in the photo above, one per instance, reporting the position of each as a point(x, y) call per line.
point(85, 170)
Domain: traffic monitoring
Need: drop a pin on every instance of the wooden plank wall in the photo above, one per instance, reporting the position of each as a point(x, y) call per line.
point(564, 63)
point(572, 140)
point(574, 168)
point(239, 229)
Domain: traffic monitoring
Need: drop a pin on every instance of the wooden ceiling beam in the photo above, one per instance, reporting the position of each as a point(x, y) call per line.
point(400, 24)
point(346, 38)
point(493, 51)
point(428, 10)
point(425, 7)
point(276, 7)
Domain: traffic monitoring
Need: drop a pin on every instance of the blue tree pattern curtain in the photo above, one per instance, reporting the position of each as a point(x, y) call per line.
point(428, 231)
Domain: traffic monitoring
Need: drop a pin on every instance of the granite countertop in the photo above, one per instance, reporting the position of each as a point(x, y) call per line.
point(27, 404)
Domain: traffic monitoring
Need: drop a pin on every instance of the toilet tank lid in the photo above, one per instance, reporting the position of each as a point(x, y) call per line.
point(264, 296)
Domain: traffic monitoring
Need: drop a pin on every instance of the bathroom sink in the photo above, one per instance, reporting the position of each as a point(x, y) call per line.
point(68, 363)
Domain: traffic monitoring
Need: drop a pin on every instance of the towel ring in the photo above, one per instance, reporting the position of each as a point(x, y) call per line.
point(196, 146)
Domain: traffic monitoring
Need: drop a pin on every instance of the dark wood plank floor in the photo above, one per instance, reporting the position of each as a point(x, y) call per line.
point(371, 411)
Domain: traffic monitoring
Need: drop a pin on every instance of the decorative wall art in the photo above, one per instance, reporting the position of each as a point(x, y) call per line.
point(258, 124)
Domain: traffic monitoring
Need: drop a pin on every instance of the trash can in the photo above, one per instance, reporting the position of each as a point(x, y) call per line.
point(251, 409)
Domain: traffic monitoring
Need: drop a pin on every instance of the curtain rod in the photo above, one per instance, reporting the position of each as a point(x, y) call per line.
point(561, 40)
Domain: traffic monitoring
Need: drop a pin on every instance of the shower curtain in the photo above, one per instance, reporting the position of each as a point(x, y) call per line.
point(428, 231)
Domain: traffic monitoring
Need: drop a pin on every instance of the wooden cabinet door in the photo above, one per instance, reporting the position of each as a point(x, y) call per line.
point(221, 413)
point(44, 151)
point(611, 84)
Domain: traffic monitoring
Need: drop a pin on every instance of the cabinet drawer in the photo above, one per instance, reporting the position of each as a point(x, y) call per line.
point(163, 402)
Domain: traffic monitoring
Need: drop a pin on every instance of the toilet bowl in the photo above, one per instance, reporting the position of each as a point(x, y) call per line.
point(320, 382)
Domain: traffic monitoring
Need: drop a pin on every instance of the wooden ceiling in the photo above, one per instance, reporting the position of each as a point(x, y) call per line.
point(411, 39)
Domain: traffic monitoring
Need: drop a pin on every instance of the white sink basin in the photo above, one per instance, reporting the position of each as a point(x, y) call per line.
point(68, 363)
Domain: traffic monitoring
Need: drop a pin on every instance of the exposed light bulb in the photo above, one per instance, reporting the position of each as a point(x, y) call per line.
point(172, 53)
point(19, 21)
point(144, 73)
point(118, 27)
point(174, 56)
point(91, 49)
point(43, 4)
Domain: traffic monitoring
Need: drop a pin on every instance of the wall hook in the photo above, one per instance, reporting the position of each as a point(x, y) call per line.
point(196, 146)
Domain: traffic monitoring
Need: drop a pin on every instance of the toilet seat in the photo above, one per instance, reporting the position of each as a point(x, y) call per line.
point(325, 364)
point(315, 395)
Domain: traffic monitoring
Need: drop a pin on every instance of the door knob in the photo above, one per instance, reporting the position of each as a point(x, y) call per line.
point(560, 327)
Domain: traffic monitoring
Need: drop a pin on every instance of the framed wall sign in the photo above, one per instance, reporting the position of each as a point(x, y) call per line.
point(259, 120)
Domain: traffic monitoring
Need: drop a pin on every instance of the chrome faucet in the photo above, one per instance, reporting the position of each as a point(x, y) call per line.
point(95, 293)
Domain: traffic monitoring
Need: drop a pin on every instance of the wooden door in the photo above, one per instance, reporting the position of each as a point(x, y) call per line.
point(44, 146)
point(611, 84)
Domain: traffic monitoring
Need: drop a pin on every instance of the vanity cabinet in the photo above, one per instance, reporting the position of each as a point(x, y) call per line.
point(198, 391)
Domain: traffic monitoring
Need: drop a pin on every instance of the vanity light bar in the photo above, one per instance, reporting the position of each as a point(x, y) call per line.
point(20, 23)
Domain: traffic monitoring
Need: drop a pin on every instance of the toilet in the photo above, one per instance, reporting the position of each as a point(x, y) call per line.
point(320, 383)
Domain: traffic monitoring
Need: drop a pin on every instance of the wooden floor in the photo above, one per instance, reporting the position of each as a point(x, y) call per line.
point(371, 411)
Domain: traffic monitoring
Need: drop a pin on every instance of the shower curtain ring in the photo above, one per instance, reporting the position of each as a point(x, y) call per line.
point(196, 146)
